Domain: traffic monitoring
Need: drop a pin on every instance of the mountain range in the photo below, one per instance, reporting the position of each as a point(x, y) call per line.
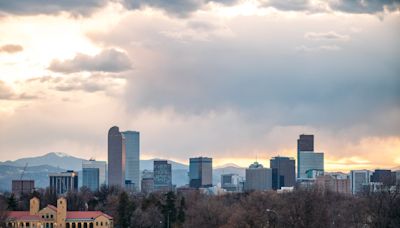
point(37, 168)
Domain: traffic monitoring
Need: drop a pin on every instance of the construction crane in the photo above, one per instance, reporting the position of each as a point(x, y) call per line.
point(20, 178)
point(23, 171)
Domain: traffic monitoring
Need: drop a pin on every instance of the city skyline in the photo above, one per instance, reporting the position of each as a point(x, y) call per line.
point(231, 80)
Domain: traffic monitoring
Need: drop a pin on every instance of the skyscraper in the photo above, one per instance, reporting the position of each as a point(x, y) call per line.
point(91, 178)
point(258, 178)
point(116, 157)
point(162, 176)
point(383, 176)
point(61, 183)
point(232, 182)
point(147, 185)
point(200, 172)
point(304, 143)
point(94, 174)
point(283, 172)
point(309, 163)
point(132, 147)
point(358, 179)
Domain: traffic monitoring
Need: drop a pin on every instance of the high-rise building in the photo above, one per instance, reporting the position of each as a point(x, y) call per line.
point(258, 178)
point(200, 172)
point(358, 179)
point(116, 157)
point(283, 172)
point(147, 182)
point(304, 143)
point(20, 187)
point(311, 164)
point(232, 182)
point(383, 176)
point(90, 178)
point(132, 166)
point(61, 183)
point(94, 174)
point(162, 176)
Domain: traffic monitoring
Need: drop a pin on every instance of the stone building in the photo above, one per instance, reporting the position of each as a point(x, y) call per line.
point(57, 217)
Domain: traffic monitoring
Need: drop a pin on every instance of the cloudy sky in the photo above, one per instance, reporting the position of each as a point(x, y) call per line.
point(230, 79)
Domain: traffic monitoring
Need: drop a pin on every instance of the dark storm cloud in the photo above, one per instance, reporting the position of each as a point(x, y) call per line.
point(177, 7)
point(11, 48)
point(364, 6)
point(107, 61)
point(183, 8)
point(32, 7)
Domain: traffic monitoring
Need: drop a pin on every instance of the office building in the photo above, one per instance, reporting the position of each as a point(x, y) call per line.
point(358, 179)
point(383, 176)
point(61, 183)
point(90, 178)
point(116, 157)
point(147, 182)
point(132, 165)
point(311, 164)
point(200, 172)
point(397, 177)
point(304, 143)
point(59, 217)
point(21, 187)
point(162, 176)
point(94, 174)
point(334, 183)
point(258, 178)
point(283, 172)
point(232, 182)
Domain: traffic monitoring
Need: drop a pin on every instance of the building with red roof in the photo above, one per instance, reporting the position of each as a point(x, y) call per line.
point(57, 217)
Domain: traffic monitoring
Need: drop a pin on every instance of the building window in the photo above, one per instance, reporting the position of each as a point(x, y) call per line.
point(101, 223)
point(51, 216)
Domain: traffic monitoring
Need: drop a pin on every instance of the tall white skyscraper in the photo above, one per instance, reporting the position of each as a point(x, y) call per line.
point(359, 178)
point(132, 165)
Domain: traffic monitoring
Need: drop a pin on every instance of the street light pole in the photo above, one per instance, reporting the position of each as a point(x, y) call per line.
point(276, 215)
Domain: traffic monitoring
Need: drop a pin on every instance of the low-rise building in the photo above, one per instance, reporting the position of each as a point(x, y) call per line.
point(57, 217)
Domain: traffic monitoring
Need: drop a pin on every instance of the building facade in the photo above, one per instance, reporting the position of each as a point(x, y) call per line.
point(132, 165)
point(162, 176)
point(147, 185)
point(61, 183)
point(310, 163)
point(304, 143)
point(232, 182)
point(334, 183)
point(90, 167)
point(200, 172)
point(116, 157)
point(258, 178)
point(283, 172)
point(57, 217)
point(20, 187)
point(383, 176)
point(359, 179)
point(90, 178)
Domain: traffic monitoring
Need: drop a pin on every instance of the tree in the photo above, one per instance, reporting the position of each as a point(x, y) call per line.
point(124, 211)
point(168, 209)
point(181, 211)
point(12, 203)
point(3, 212)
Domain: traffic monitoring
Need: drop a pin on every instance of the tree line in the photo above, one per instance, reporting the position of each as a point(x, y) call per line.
point(302, 208)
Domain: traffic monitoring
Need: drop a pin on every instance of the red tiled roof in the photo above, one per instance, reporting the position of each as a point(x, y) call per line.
point(52, 207)
point(86, 214)
point(22, 215)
